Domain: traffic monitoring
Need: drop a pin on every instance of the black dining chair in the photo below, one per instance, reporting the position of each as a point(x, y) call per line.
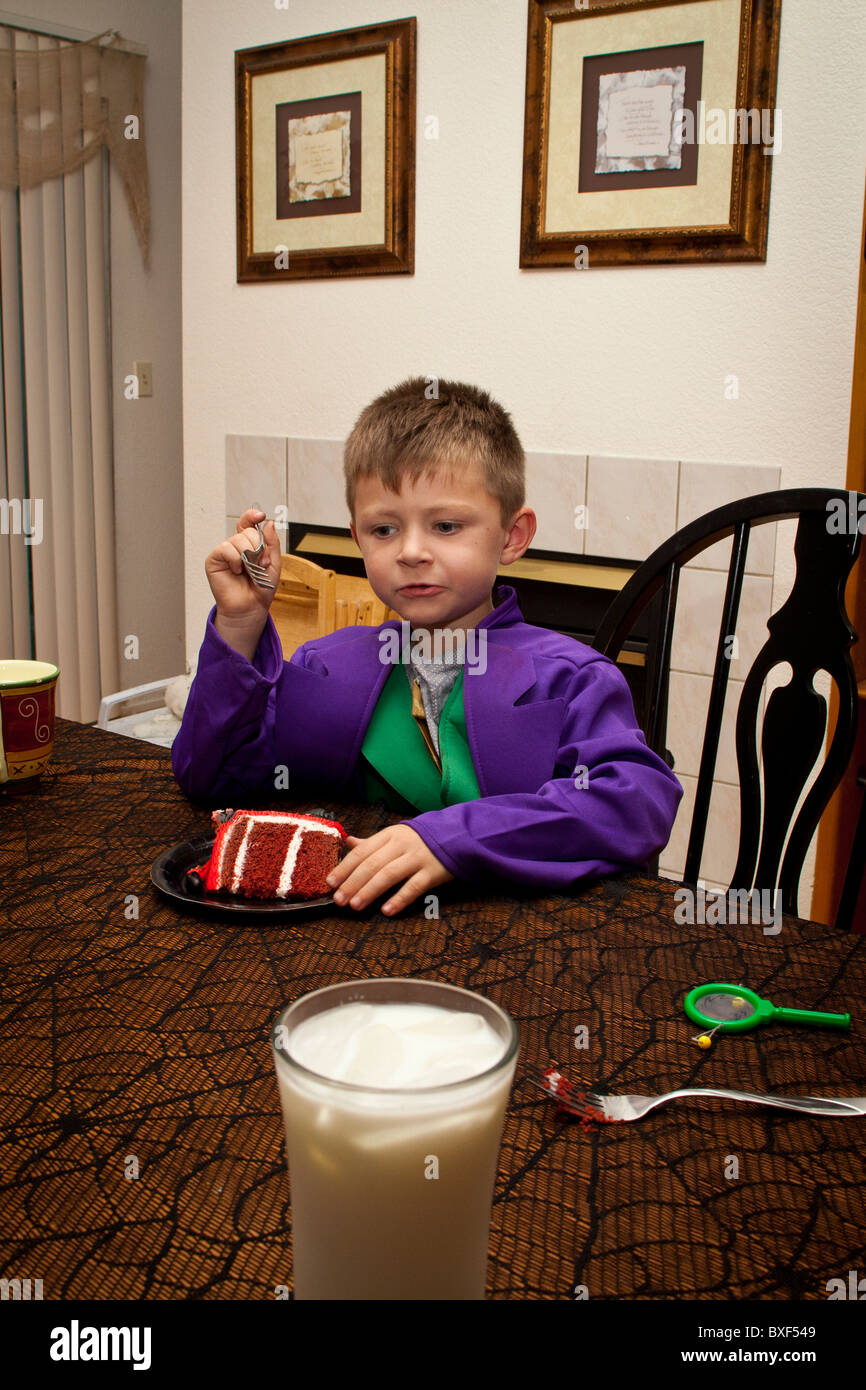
point(811, 631)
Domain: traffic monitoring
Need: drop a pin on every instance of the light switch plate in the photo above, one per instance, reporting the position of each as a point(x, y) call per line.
point(144, 372)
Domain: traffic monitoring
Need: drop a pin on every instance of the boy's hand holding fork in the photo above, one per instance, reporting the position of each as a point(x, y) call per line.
point(242, 607)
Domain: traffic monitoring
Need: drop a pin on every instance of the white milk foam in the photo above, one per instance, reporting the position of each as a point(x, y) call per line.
point(392, 1046)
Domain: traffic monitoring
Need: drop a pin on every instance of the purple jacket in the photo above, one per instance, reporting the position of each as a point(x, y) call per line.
point(546, 707)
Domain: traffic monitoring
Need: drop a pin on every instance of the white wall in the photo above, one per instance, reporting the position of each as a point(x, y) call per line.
point(145, 323)
point(620, 361)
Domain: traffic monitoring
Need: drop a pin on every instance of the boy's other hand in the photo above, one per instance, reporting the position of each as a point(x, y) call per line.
point(394, 855)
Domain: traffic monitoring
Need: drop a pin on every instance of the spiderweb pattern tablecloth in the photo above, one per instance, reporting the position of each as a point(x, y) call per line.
point(145, 1041)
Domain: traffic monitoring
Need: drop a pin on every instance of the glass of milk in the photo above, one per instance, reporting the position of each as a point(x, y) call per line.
point(393, 1094)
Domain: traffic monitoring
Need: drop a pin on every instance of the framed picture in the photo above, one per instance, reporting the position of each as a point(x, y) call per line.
point(650, 131)
point(326, 155)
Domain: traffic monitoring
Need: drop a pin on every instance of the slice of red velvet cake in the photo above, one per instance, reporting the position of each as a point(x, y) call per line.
point(272, 854)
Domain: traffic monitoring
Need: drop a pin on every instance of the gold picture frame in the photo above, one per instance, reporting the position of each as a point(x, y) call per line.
point(325, 155)
point(589, 196)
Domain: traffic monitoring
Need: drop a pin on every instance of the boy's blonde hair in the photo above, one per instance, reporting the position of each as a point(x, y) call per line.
point(409, 431)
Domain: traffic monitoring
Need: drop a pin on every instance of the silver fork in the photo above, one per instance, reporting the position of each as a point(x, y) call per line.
point(589, 1105)
point(250, 560)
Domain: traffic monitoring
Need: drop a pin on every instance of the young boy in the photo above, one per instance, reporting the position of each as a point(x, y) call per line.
point(513, 751)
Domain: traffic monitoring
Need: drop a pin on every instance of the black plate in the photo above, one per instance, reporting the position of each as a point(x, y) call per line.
point(168, 874)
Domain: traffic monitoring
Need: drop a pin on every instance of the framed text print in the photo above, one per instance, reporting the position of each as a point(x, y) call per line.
point(650, 131)
point(326, 155)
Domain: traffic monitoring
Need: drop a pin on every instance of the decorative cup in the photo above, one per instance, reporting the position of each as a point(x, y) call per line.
point(26, 718)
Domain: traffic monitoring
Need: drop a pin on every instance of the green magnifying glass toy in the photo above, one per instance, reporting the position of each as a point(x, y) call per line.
point(735, 1009)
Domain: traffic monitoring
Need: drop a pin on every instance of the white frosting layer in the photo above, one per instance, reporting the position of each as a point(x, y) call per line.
point(239, 861)
point(396, 1045)
point(288, 869)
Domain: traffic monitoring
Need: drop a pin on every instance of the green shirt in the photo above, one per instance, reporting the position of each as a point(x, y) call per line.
point(396, 765)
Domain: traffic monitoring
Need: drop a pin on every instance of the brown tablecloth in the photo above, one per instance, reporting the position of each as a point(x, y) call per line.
point(145, 1041)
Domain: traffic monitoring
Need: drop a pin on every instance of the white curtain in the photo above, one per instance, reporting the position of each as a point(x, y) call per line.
point(55, 403)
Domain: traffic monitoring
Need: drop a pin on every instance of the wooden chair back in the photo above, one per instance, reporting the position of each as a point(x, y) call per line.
point(369, 612)
point(311, 601)
point(303, 607)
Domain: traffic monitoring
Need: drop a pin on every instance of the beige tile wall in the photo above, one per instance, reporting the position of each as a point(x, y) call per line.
point(556, 489)
point(630, 507)
point(255, 473)
point(316, 489)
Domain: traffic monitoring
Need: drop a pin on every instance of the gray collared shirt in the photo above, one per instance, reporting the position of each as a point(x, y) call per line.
point(436, 680)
